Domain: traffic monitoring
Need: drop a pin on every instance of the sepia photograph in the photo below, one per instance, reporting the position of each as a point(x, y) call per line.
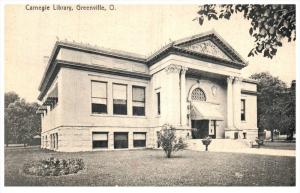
point(149, 95)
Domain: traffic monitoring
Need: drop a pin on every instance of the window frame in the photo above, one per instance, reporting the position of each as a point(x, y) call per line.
point(96, 132)
point(158, 103)
point(144, 113)
point(113, 99)
point(145, 133)
point(243, 109)
point(119, 144)
point(106, 99)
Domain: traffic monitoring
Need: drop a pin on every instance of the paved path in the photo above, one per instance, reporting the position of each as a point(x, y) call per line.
point(275, 152)
point(235, 146)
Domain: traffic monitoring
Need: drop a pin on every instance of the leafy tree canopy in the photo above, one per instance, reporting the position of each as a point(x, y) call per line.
point(21, 121)
point(10, 97)
point(270, 24)
point(275, 104)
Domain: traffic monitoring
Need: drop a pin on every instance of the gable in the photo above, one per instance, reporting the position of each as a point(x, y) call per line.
point(206, 47)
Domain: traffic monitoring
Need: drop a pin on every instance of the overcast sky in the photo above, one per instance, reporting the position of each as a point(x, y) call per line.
point(31, 35)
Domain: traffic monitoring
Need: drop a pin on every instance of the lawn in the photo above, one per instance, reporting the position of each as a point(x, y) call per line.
point(151, 168)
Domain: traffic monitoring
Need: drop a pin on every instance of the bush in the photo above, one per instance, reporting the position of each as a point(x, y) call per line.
point(206, 142)
point(168, 141)
point(53, 167)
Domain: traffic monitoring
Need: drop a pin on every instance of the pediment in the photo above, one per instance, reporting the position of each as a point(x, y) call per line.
point(206, 47)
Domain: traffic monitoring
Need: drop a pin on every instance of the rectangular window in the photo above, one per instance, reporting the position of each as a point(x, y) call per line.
point(158, 102)
point(139, 139)
point(243, 109)
point(100, 140)
point(120, 140)
point(99, 97)
point(138, 101)
point(120, 99)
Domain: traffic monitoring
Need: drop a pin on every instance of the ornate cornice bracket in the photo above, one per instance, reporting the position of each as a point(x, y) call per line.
point(173, 68)
point(237, 80)
point(230, 79)
point(183, 69)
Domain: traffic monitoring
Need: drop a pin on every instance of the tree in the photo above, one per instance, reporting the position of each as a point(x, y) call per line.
point(271, 103)
point(289, 109)
point(269, 23)
point(21, 121)
point(168, 141)
point(10, 97)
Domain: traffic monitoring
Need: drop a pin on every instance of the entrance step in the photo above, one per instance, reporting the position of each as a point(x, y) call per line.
point(219, 144)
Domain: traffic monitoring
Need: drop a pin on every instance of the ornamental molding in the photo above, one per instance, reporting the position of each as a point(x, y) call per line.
point(184, 69)
point(238, 80)
point(214, 90)
point(207, 47)
point(173, 68)
point(230, 79)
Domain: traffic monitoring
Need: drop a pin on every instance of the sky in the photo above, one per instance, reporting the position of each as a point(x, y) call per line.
point(143, 29)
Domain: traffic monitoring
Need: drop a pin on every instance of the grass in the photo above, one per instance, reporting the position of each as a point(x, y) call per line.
point(151, 168)
point(284, 145)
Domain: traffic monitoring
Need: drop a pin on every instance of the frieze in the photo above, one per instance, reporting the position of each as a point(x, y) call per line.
point(209, 48)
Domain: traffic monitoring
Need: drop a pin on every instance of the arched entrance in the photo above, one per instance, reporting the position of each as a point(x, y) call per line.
point(199, 127)
point(204, 114)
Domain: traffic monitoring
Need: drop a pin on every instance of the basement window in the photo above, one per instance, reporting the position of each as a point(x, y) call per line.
point(139, 139)
point(100, 140)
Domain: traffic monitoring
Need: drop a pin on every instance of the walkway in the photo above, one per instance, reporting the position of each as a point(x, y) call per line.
point(236, 146)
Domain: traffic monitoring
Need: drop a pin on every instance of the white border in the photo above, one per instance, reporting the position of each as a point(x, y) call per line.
point(139, 189)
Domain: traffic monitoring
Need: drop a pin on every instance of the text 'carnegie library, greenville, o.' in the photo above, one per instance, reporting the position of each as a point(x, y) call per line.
point(78, 7)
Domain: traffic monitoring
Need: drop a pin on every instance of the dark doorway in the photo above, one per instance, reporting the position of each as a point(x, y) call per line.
point(200, 129)
point(120, 140)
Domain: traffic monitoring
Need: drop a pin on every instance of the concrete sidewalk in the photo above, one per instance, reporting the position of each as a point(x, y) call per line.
point(261, 151)
point(237, 146)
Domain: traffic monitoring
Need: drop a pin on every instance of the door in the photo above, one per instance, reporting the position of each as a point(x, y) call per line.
point(120, 140)
point(200, 129)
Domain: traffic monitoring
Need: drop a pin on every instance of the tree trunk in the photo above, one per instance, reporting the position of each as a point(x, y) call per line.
point(206, 147)
point(169, 154)
point(272, 135)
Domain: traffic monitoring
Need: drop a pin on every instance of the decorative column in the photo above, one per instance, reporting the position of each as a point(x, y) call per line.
point(183, 106)
point(237, 102)
point(171, 105)
point(229, 103)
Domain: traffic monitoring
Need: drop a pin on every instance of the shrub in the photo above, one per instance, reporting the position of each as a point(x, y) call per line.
point(53, 167)
point(206, 141)
point(168, 141)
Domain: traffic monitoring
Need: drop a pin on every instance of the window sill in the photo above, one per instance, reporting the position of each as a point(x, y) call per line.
point(100, 149)
point(119, 116)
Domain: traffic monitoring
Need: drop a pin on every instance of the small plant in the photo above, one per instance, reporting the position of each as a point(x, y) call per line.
point(168, 141)
point(259, 142)
point(206, 141)
point(53, 167)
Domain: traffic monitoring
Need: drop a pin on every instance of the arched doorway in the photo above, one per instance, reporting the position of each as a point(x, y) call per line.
point(200, 128)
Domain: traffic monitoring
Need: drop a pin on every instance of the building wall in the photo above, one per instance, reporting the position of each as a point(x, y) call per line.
point(73, 121)
point(104, 61)
point(53, 118)
point(76, 100)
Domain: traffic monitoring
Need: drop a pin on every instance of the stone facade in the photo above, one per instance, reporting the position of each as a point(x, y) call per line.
point(168, 77)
